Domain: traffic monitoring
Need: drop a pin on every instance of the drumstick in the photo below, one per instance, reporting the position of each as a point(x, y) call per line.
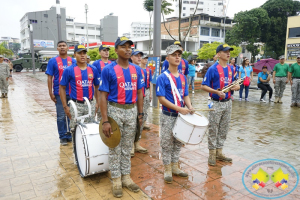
point(205, 110)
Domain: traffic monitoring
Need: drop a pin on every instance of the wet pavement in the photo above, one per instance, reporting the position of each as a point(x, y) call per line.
point(34, 165)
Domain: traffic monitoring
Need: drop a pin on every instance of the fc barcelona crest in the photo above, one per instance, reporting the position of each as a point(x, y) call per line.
point(183, 83)
point(134, 76)
point(69, 62)
point(230, 73)
point(91, 76)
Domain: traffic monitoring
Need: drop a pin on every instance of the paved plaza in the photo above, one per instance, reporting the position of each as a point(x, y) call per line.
point(34, 165)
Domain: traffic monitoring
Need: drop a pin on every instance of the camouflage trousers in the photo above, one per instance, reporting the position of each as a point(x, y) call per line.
point(99, 117)
point(82, 109)
point(119, 157)
point(280, 83)
point(3, 84)
point(146, 106)
point(296, 91)
point(219, 120)
point(169, 144)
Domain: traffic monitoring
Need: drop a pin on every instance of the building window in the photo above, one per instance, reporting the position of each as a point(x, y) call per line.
point(201, 3)
point(193, 2)
point(202, 43)
point(200, 9)
point(215, 32)
point(220, 4)
point(204, 31)
point(69, 20)
point(191, 9)
point(185, 20)
point(32, 21)
point(183, 14)
point(195, 18)
point(294, 32)
point(82, 27)
point(183, 8)
point(46, 15)
point(186, 2)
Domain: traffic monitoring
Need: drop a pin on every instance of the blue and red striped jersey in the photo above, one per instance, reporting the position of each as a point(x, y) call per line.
point(183, 67)
point(81, 81)
point(217, 77)
point(99, 65)
point(55, 68)
point(163, 88)
point(121, 84)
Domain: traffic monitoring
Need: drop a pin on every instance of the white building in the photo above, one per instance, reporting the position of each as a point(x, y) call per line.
point(210, 7)
point(9, 40)
point(76, 32)
point(140, 29)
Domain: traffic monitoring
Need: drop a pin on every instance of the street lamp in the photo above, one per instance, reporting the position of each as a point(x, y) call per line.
point(87, 33)
point(58, 20)
point(32, 47)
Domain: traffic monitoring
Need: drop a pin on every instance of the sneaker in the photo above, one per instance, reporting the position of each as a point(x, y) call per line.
point(240, 99)
point(69, 139)
point(262, 100)
point(209, 98)
point(193, 92)
point(63, 142)
point(270, 100)
point(246, 99)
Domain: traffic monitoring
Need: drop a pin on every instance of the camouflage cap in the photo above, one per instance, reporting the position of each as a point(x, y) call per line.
point(173, 48)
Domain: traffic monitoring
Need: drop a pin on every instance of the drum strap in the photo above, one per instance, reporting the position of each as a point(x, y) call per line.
point(173, 88)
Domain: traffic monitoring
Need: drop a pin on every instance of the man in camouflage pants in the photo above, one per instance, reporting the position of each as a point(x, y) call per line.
point(172, 104)
point(294, 78)
point(82, 109)
point(4, 75)
point(280, 80)
point(121, 96)
point(218, 76)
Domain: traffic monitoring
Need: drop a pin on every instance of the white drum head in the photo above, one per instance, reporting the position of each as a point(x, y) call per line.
point(196, 119)
point(79, 150)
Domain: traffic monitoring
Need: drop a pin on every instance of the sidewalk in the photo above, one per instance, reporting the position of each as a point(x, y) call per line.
point(34, 165)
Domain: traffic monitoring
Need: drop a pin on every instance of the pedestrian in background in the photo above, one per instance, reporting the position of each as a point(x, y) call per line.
point(235, 73)
point(4, 76)
point(263, 83)
point(294, 78)
point(192, 74)
point(245, 72)
point(280, 80)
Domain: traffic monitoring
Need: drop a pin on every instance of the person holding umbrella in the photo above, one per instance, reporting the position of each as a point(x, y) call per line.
point(280, 72)
point(294, 78)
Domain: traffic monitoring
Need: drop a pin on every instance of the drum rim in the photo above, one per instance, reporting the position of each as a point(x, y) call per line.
point(75, 153)
point(180, 115)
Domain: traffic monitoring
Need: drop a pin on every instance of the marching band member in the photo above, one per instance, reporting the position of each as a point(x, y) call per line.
point(172, 92)
point(55, 69)
point(217, 77)
point(100, 64)
point(183, 67)
point(121, 92)
point(136, 57)
point(82, 79)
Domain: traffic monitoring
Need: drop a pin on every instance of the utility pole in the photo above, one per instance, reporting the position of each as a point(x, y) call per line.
point(32, 47)
point(87, 27)
point(156, 43)
point(58, 20)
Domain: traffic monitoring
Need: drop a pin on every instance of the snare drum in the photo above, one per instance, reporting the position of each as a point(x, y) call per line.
point(91, 153)
point(190, 129)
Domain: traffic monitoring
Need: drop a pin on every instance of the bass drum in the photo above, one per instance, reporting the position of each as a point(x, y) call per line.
point(91, 153)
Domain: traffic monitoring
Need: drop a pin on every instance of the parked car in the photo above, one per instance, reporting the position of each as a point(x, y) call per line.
point(199, 66)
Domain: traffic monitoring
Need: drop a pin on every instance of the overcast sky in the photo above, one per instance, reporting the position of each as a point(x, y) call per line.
point(128, 11)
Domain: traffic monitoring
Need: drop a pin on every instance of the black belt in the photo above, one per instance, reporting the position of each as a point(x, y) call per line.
point(223, 100)
point(296, 77)
point(170, 113)
point(148, 88)
point(82, 102)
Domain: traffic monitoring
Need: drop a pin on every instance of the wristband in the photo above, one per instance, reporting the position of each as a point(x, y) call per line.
point(65, 107)
point(105, 122)
point(141, 114)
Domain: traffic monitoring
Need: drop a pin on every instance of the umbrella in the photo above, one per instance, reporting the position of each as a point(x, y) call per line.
point(270, 63)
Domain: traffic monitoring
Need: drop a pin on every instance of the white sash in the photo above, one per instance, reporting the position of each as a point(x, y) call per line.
point(174, 88)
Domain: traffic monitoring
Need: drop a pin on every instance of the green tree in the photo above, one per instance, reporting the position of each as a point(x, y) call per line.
point(16, 47)
point(148, 6)
point(4, 50)
point(209, 50)
point(186, 55)
point(94, 54)
point(251, 27)
point(278, 12)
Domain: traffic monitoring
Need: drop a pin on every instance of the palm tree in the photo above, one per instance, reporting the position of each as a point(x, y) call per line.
point(165, 10)
point(4, 50)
